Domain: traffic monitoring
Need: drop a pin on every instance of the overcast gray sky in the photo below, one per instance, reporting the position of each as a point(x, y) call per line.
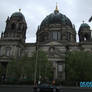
point(36, 10)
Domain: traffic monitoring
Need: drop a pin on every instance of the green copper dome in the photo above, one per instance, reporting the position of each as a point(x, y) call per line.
point(84, 25)
point(56, 18)
point(18, 15)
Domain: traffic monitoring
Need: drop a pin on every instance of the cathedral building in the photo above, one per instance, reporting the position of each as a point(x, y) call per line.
point(56, 35)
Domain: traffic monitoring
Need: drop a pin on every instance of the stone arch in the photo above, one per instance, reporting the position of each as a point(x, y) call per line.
point(13, 26)
point(86, 37)
point(51, 51)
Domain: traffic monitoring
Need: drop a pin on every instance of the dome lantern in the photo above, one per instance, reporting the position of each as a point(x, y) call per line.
point(19, 10)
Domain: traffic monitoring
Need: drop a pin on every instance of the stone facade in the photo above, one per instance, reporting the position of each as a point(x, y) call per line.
point(56, 35)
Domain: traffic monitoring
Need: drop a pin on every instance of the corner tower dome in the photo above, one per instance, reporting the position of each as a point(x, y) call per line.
point(16, 27)
point(18, 15)
point(84, 32)
point(56, 18)
point(84, 25)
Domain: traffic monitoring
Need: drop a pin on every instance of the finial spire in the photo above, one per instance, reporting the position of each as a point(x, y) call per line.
point(56, 6)
point(56, 10)
point(19, 10)
point(83, 21)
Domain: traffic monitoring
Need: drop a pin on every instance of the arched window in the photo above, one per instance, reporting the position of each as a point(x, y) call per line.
point(19, 52)
point(51, 51)
point(20, 26)
point(8, 50)
point(56, 35)
point(59, 35)
point(86, 37)
point(60, 68)
point(13, 26)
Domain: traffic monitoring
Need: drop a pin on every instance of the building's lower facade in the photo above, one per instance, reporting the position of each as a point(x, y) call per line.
point(56, 35)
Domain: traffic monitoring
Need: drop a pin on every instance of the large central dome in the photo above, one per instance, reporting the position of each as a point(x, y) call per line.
point(56, 27)
point(56, 18)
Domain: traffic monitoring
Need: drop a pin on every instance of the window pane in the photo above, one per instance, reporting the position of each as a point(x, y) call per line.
point(68, 36)
point(8, 51)
point(54, 35)
point(60, 68)
point(59, 36)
